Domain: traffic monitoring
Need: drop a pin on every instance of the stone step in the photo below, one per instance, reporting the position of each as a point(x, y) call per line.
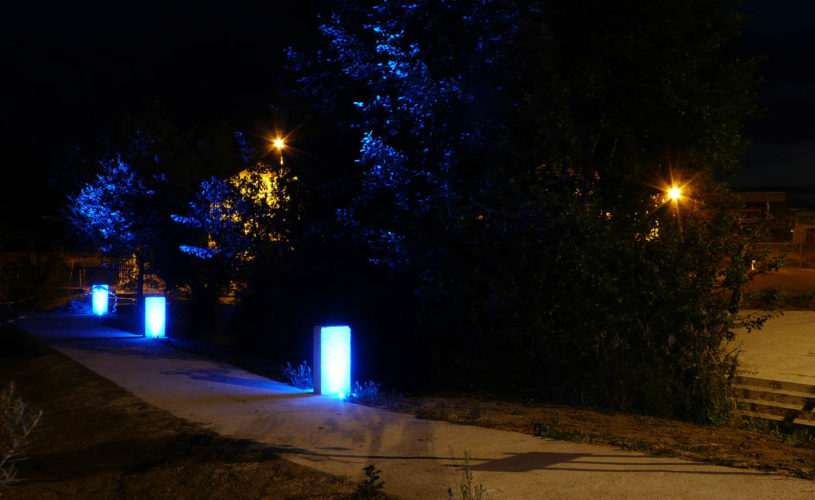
point(774, 384)
point(777, 418)
point(781, 410)
point(799, 399)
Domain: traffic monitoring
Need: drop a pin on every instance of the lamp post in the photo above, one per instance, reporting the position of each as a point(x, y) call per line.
point(332, 360)
point(278, 143)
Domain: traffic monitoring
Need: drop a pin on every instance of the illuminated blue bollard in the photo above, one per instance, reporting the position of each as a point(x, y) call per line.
point(332, 360)
point(99, 299)
point(155, 316)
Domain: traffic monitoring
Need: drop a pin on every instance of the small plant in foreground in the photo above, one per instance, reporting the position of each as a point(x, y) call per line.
point(468, 491)
point(371, 487)
point(17, 421)
point(367, 393)
point(299, 377)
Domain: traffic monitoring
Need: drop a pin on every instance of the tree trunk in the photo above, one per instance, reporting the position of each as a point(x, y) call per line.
point(140, 291)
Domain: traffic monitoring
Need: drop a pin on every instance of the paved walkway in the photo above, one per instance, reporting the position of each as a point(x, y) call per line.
point(783, 350)
point(419, 458)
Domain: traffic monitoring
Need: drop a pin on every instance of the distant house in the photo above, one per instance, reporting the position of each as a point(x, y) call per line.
point(762, 204)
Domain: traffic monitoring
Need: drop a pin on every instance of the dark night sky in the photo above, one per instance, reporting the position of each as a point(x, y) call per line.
point(69, 71)
point(784, 137)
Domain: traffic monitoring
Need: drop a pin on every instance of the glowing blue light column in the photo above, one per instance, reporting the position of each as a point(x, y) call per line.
point(332, 360)
point(99, 299)
point(155, 316)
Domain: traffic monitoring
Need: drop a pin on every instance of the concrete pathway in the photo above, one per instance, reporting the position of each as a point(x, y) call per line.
point(784, 349)
point(420, 459)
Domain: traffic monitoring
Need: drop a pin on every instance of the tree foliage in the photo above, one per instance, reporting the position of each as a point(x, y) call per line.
point(112, 209)
point(511, 163)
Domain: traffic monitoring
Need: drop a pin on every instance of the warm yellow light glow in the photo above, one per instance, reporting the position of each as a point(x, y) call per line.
point(674, 193)
point(278, 143)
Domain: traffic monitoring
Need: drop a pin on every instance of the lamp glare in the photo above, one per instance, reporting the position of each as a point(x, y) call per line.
point(99, 298)
point(674, 193)
point(155, 314)
point(332, 350)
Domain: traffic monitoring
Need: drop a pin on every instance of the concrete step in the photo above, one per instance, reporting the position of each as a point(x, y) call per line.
point(777, 418)
point(782, 410)
point(774, 384)
point(799, 399)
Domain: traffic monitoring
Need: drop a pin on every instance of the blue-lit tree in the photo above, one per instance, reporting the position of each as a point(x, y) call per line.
point(398, 79)
point(506, 164)
point(149, 170)
point(117, 211)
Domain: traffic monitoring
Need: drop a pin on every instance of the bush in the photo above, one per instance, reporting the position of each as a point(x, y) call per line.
point(299, 377)
point(17, 421)
point(371, 487)
point(367, 393)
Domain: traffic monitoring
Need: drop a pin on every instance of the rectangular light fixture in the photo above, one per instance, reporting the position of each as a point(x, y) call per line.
point(99, 299)
point(332, 360)
point(155, 316)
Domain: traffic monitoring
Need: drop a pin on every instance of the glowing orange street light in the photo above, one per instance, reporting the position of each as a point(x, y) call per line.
point(279, 144)
point(674, 193)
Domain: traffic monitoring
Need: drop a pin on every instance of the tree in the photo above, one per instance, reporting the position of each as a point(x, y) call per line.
point(509, 174)
point(117, 211)
point(148, 169)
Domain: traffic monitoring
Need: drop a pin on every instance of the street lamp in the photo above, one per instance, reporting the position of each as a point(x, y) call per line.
point(675, 193)
point(279, 144)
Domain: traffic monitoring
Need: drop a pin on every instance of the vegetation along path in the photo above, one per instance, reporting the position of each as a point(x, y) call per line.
point(419, 458)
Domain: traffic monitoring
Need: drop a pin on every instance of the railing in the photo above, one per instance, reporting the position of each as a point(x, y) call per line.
point(795, 254)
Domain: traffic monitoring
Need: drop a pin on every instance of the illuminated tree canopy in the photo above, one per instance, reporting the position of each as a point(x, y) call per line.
point(509, 158)
point(110, 209)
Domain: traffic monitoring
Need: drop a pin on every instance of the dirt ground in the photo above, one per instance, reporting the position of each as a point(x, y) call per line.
point(786, 454)
point(793, 280)
point(96, 440)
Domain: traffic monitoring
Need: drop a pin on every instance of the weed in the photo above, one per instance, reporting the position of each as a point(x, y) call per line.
point(299, 377)
point(553, 430)
point(17, 421)
point(474, 412)
point(432, 413)
point(804, 300)
point(770, 297)
point(371, 487)
point(468, 491)
point(805, 473)
point(367, 393)
point(780, 430)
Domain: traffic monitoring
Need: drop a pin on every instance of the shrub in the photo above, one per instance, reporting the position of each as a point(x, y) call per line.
point(371, 487)
point(17, 421)
point(299, 377)
point(804, 300)
point(770, 298)
point(367, 393)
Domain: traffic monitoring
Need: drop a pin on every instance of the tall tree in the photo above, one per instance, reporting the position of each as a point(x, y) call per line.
point(510, 171)
point(117, 211)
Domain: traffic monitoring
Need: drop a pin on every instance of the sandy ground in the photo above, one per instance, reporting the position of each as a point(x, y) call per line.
point(784, 349)
point(794, 280)
point(419, 458)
